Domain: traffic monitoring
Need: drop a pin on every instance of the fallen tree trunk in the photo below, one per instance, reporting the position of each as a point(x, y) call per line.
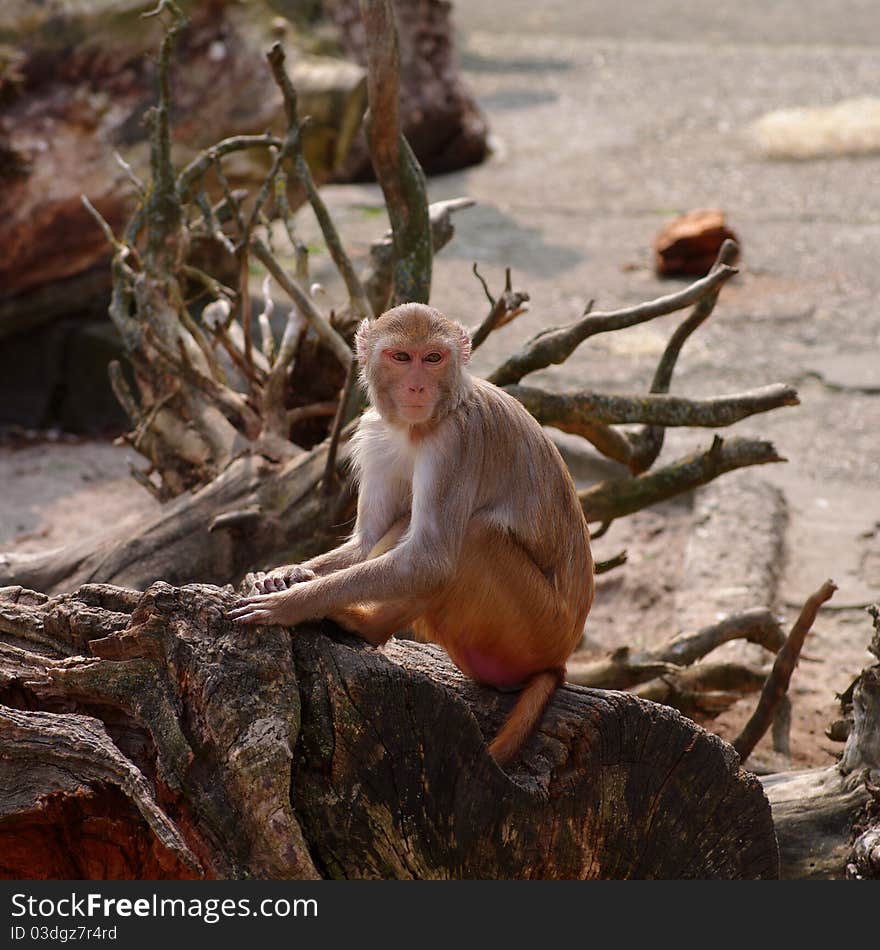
point(144, 735)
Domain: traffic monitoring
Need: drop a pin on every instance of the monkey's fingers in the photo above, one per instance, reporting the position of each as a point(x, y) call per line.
point(274, 582)
point(248, 605)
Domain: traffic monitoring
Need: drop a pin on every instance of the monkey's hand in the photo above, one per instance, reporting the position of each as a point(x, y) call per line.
point(284, 607)
point(282, 578)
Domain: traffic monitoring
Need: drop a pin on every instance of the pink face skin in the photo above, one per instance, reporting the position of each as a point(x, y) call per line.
point(414, 374)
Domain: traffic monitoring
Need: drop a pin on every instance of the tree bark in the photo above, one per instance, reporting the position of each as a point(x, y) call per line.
point(819, 812)
point(145, 735)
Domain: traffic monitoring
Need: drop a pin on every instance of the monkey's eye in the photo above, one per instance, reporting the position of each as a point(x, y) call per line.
point(400, 357)
point(433, 357)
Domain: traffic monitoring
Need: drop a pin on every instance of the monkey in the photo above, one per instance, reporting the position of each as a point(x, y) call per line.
point(468, 527)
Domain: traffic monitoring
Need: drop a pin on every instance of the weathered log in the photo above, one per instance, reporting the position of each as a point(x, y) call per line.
point(817, 812)
point(180, 745)
point(86, 82)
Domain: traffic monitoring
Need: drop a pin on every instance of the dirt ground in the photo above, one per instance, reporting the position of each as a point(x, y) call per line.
point(604, 126)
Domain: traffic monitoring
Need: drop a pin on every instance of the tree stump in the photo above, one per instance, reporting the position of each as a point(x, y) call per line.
point(143, 735)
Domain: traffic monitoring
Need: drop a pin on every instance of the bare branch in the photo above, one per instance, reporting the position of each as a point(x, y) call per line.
point(377, 278)
point(649, 442)
point(569, 411)
point(613, 499)
point(330, 480)
point(398, 171)
point(777, 682)
point(603, 567)
point(703, 691)
point(506, 308)
point(621, 670)
point(304, 303)
point(626, 667)
point(162, 207)
point(293, 146)
point(757, 625)
point(267, 338)
point(556, 345)
point(192, 173)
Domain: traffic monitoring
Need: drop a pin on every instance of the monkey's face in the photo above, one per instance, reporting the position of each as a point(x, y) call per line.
point(411, 363)
point(414, 380)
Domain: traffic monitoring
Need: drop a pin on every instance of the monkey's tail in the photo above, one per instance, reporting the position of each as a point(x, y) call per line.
point(525, 714)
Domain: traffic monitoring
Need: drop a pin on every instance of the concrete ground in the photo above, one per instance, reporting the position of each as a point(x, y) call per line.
point(608, 119)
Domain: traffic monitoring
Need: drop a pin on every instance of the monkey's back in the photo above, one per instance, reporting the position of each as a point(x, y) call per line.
point(526, 488)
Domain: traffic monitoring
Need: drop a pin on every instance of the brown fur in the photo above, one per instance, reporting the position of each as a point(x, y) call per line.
point(469, 527)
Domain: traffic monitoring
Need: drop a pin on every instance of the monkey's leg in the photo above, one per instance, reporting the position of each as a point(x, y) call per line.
point(503, 623)
point(376, 623)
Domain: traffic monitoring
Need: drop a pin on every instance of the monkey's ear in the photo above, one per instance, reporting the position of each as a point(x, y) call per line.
point(362, 342)
point(464, 343)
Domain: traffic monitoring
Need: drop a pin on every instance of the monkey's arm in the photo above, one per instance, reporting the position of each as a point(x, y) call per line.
point(443, 500)
point(379, 503)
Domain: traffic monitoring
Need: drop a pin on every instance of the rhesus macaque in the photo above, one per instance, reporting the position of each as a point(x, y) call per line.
point(468, 527)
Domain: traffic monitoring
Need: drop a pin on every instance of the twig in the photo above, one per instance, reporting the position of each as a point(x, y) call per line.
point(300, 251)
point(603, 567)
point(123, 393)
point(304, 303)
point(704, 690)
point(293, 145)
point(506, 308)
point(614, 499)
point(212, 225)
point(626, 667)
point(555, 346)
point(777, 682)
point(193, 172)
point(112, 240)
point(330, 480)
point(244, 296)
point(621, 670)
point(314, 410)
point(140, 187)
point(267, 337)
point(479, 277)
point(211, 284)
point(250, 373)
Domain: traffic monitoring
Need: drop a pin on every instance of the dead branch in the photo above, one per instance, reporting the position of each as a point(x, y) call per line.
point(377, 277)
point(571, 411)
point(628, 667)
point(649, 441)
point(192, 173)
point(293, 146)
point(777, 682)
point(702, 691)
point(556, 345)
point(757, 625)
point(398, 171)
point(303, 302)
point(613, 499)
point(502, 311)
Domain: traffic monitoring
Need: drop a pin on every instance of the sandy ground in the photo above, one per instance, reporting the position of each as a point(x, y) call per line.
point(605, 125)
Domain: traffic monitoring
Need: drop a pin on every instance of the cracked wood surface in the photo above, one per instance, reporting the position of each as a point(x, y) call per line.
point(222, 752)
